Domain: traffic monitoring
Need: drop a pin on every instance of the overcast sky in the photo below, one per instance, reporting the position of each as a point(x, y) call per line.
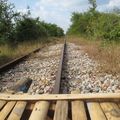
point(59, 11)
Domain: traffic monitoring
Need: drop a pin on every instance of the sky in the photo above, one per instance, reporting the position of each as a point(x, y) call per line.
point(59, 11)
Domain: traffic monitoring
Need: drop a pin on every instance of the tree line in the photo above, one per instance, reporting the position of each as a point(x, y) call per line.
point(18, 27)
point(95, 24)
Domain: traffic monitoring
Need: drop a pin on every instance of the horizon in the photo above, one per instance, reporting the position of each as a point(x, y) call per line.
point(59, 12)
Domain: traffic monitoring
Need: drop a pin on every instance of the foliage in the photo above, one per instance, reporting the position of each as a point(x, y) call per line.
point(96, 24)
point(28, 29)
point(53, 29)
point(7, 18)
point(16, 27)
point(93, 4)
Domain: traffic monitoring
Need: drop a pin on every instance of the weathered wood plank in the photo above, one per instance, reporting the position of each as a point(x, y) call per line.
point(30, 106)
point(40, 111)
point(2, 103)
point(6, 110)
point(95, 111)
point(18, 110)
point(52, 106)
point(78, 109)
point(119, 105)
point(61, 110)
point(111, 110)
point(96, 97)
point(48, 118)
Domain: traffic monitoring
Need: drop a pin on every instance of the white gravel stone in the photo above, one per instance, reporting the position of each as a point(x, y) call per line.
point(80, 72)
point(40, 67)
point(78, 66)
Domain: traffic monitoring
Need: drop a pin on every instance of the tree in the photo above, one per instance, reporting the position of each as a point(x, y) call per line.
point(7, 16)
point(53, 29)
point(27, 29)
point(93, 4)
point(16, 27)
point(96, 24)
point(60, 32)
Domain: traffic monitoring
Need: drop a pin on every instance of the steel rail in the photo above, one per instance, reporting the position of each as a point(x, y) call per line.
point(56, 89)
point(14, 62)
point(20, 86)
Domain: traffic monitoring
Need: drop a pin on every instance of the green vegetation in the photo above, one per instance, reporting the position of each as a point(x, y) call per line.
point(17, 27)
point(20, 33)
point(99, 34)
point(95, 24)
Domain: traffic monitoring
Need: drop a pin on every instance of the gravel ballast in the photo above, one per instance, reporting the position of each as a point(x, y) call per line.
point(80, 72)
point(40, 68)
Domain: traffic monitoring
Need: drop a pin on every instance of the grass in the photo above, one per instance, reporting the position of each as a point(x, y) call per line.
point(8, 53)
point(106, 53)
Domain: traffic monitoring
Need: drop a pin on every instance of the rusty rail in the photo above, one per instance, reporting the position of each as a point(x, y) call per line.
point(59, 72)
point(14, 62)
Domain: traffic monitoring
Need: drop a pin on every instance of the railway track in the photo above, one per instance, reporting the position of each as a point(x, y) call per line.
point(40, 67)
point(59, 105)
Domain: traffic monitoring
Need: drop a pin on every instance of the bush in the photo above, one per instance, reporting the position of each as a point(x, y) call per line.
point(53, 29)
point(28, 29)
point(7, 16)
point(96, 24)
point(15, 27)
